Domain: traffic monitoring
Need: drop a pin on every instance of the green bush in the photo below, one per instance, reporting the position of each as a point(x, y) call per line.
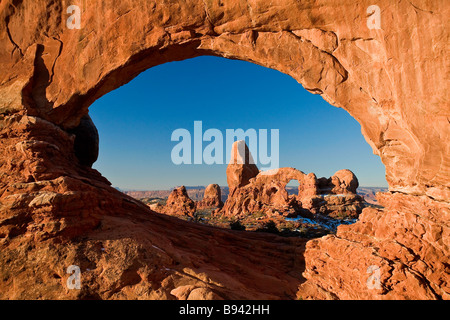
point(269, 226)
point(237, 225)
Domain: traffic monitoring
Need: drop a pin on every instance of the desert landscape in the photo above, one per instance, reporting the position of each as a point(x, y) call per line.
point(197, 193)
point(290, 224)
point(257, 200)
point(254, 238)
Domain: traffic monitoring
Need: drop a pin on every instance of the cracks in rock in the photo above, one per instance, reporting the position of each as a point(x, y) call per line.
point(56, 58)
point(16, 46)
point(343, 74)
point(325, 32)
point(417, 274)
point(208, 17)
point(14, 4)
point(340, 70)
point(321, 74)
point(418, 195)
point(417, 8)
point(391, 263)
point(253, 37)
point(123, 14)
point(359, 39)
point(250, 13)
point(337, 40)
point(408, 265)
point(314, 90)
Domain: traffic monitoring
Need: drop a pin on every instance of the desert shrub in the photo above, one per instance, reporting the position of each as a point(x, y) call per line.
point(258, 214)
point(236, 225)
point(160, 201)
point(205, 212)
point(268, 226)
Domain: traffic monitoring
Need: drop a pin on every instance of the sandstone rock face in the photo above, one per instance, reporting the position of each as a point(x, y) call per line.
point(266, 193)
point(57, 212)
point(344, 181)
point(390, 252)
point(212, 198)
point(179, 203)
point(335, 197)
point(335, 205)
point(242, 167)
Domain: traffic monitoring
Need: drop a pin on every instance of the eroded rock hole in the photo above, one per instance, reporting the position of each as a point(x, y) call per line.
point(241, 195)
point(86, 144)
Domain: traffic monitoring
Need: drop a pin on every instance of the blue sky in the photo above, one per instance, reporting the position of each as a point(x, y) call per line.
point(136, 121)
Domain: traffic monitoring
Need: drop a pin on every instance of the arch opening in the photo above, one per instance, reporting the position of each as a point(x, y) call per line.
point(227, 103)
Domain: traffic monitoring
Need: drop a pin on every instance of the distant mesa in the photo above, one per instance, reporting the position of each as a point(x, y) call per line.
point(370, 194)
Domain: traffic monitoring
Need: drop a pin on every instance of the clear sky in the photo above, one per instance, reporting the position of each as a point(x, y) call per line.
point(136, 121)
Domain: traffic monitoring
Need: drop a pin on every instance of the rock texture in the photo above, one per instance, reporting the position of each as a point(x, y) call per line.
point(179, 203)
point(336, 196)
point(211, 199)
point(241, 167)
point(266, 192)
point(344, 181)
point(403, 249)
point(57, 211)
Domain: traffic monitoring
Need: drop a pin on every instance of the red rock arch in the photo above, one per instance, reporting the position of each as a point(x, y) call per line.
point(52, 74)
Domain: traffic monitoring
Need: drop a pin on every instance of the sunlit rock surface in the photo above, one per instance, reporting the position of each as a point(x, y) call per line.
point(56, 212)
